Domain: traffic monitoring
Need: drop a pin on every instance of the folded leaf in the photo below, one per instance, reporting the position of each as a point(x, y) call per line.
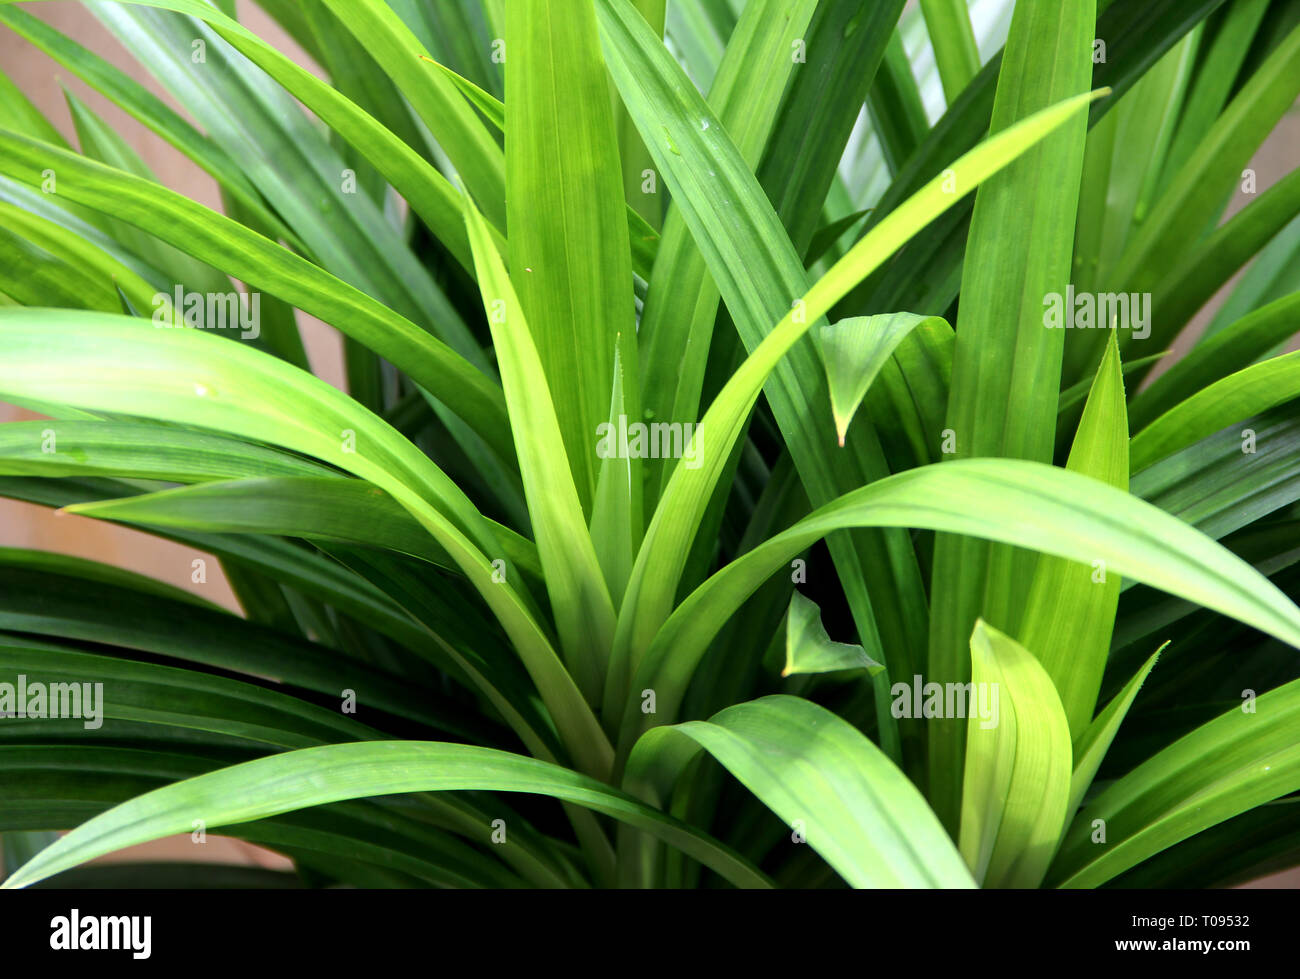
point(854, 351)
point(808, 649)
point(1017, 778)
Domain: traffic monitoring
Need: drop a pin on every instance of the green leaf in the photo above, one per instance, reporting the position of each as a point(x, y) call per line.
point(492, 108)
point(140, 451)
point(427, 632)
point(1216, 487)
point(911, 395)
point(760, 276)
point(682, 505)
point(314, 776)
point(143, 105)
point(100, 142)
point(844, 47)
point(948, 22)
point(568, 228)
point(298, 506)
point(356, 75)
point(63, 786)
point(17, 847)
point(823, 778)
point(50, 263)
point(1238, 851)
point(1006, 366)
point(459, 34)
point(636, 159)
point(430, 194)
point(808, 649)
point(1017, 775)
point(700, 31)
point(182, 698)
point(199, 379)
point(1091, 746)
point(1136, 35)
point(1239, 760)
point(1215, 77)
point(193, 377)
point(1232, 399)
point(682, 303)
point(63, 606)
point(1074, 398)
point(263, 264)
point(18, 113)
point(617, 520)
point(828, 235)
point(94, 571)
point(1271, 276)
point(1030, 504)
point(1140, 130)
point(1233, 348)
point(580, 601)
point(1193, 199)
point(644, 239)
point(1070, 611)
point(895, 106)
point(289, 159)
point(1208, 267)
point(469, 144)
point(854, 351)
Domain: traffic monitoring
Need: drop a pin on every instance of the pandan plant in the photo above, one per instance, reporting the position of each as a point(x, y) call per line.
point(680, 338)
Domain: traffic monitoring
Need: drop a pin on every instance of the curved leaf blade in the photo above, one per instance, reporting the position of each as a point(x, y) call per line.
point(1017, 776)
point(1013, 501)
point(821, 775)
point(1239, 760)
point(315, 776)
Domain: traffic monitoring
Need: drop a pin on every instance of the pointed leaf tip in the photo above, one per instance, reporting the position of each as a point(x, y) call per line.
point(808, 648)
point(854, 350)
